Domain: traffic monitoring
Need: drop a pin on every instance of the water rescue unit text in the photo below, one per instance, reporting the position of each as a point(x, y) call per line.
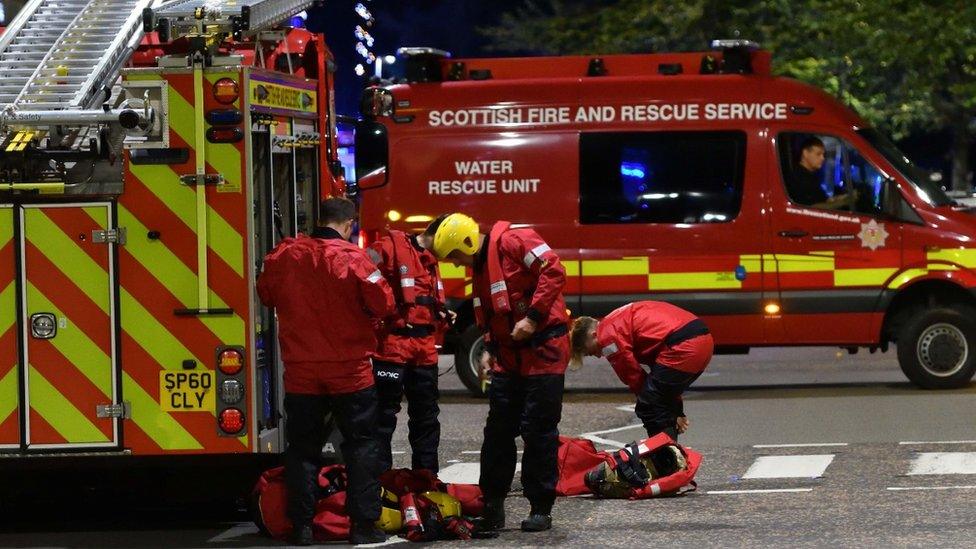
point(466, 184)
point(666, 112)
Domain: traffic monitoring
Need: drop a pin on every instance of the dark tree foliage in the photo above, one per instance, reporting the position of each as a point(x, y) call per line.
point(905, 65)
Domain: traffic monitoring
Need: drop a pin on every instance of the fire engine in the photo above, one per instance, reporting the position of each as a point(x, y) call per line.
point(678, 177)
point(152, 153)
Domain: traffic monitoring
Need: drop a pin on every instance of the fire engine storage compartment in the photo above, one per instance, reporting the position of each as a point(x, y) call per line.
point(283, 165)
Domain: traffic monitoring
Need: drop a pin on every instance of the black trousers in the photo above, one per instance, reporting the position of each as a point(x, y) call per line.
point(419, 383)
point(529, 406)
point(355, 415)
point(659, 403)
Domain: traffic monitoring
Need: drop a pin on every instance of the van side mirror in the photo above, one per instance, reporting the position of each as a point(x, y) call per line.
point(895, 206)
point(372, 155)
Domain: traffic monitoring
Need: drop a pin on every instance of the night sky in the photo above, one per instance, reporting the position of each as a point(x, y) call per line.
point(451, 25)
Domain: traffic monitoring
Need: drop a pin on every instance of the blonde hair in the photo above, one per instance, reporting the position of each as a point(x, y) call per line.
point(581, 327)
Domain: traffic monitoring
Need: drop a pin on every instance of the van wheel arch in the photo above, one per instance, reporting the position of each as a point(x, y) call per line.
point(928, 294)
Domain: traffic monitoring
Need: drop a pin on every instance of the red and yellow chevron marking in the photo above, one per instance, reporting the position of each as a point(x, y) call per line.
point(9, 388)
point(160, 276)
point(69, 375)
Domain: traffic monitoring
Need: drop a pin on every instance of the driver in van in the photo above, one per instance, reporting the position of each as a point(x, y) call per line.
point(804, 184)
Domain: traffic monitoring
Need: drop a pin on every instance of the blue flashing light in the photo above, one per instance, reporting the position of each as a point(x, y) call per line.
point(297, 22)
point(633, 169)
point(224, 117)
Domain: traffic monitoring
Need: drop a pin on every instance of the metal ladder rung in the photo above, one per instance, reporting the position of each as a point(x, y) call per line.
point(51, 86)
point(41, 99)
point(52, 75)
point(48, 34)
point(20, 59)
point(24, 47)
point(87, 48)
point(56, 17)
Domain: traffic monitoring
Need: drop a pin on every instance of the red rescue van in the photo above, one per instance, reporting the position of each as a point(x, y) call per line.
point(680, 177)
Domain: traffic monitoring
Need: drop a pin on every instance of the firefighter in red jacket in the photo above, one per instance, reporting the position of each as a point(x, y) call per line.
point(327, 295)
point(406, 361)
point(672, 342)
point(518, 283)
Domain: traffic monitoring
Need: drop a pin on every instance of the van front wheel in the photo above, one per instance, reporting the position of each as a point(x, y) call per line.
point(937, 348)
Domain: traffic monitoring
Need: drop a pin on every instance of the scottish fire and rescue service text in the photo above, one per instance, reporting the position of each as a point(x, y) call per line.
point(467, 182)
point(666, 112)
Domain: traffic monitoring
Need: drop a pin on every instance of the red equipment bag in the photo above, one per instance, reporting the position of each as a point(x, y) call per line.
point(657, 466)
point(269, 505)
point(576, 456)
point(269, 500)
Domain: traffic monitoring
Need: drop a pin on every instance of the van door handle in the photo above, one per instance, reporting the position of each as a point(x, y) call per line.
point(793, 234)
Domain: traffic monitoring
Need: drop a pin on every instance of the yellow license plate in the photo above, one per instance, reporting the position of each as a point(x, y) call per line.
point(186, 391)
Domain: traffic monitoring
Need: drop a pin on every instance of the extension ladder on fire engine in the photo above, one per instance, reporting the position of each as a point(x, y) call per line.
point(63, 54)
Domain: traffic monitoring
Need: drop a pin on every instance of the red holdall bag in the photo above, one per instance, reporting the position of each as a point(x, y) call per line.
point(576, 456)
point(269, 505)
point(657, 466)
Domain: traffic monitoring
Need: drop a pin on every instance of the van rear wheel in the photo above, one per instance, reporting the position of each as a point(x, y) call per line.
point(937, 348)
point(469, 349)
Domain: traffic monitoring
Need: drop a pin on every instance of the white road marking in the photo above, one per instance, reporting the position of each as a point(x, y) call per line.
point(905, 488)
point(806, 466)
point(595, 435)
point(765, 491)
point(478, 452)
point(802, 445)
point(918, 442)
point(944, 463)
point(393, 540)
point(464, 473)
point(627, 408)
point(398, 452)
point(234, 532)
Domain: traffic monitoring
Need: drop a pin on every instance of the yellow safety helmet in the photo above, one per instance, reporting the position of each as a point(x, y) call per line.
point(447, 505)
point(456, 232)
point(391, 519)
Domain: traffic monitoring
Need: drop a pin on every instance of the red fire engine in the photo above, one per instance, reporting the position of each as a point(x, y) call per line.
point(679, 177)
point(152, 153)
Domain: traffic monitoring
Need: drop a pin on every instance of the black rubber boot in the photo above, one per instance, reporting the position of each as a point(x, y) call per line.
point(537, 523)
point(302, 536)
point(540, 518)
point(493, 518)
point(366, 532)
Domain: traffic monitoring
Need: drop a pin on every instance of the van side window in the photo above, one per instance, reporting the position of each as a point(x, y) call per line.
point(825, 172)
point(661, 177)
point(868, 184)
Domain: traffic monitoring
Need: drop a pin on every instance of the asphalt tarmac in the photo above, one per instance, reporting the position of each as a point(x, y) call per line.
point(802, 448)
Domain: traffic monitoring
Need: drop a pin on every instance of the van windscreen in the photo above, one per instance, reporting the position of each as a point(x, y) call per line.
point(915, 175)
point(661, 177)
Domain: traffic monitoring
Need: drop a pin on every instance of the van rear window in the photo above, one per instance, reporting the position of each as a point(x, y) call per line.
point(661, 177)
